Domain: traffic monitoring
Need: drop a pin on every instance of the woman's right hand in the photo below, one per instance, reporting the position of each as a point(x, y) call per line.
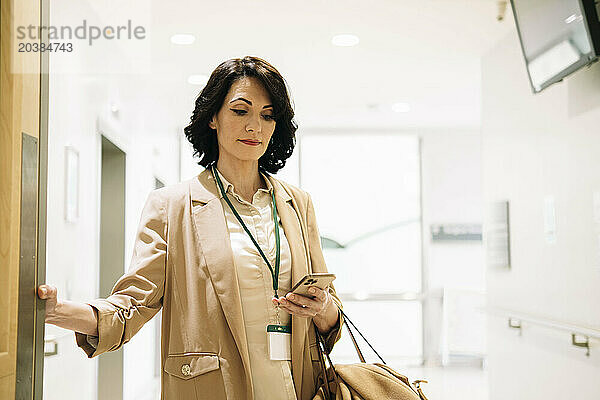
point(50, 294)
point(66, 314)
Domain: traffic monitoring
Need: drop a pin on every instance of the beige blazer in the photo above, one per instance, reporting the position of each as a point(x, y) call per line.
point(182, 261)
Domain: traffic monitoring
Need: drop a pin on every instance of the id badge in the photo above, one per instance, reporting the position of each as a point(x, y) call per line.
point(280, 342)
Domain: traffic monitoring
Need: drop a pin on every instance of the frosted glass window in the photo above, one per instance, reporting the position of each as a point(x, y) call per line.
point(394, 330)
point(366, 194)
point(365, 190)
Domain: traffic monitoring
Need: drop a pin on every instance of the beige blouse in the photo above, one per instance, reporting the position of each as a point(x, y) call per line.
point(272, 380)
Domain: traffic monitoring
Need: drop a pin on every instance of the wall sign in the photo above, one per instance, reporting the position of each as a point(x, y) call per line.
point(497, 237)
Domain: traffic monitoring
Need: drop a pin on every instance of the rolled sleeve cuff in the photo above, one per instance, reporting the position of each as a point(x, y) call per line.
point(109, 331)
point(334, 334)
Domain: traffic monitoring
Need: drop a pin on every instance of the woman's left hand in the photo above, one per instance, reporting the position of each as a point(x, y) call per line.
point(304, 306)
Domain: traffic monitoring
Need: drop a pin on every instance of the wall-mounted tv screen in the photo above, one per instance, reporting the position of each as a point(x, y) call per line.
point(557, 37)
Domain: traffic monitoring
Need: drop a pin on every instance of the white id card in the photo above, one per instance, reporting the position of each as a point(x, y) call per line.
point(280, 342)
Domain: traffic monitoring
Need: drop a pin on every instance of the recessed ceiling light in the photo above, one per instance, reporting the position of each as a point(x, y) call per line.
point(183, 38)
point(401, 107)
point(345, 40)
point(198, 79)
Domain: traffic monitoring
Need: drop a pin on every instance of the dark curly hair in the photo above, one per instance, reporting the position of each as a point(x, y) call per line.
point(211, 98)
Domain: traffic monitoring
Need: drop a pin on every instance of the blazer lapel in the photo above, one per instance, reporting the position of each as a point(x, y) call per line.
point(211, 229)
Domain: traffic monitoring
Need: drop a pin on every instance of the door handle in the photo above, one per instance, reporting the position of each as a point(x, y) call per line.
point(50, 346)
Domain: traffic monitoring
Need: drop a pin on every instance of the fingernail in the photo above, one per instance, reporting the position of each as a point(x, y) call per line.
point(311, 290)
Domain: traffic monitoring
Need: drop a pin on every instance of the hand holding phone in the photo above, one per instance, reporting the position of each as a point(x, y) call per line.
point(320, 280)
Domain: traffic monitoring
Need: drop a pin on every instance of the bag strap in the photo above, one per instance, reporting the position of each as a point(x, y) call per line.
point(346, 321)
point(416, 385)
point(321, 346)
point(321, 351)
point(360, 354)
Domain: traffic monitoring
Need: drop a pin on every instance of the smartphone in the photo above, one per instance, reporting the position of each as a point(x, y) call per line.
point(320, 280)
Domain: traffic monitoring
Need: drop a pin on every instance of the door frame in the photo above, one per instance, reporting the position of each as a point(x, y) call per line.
point(30, 319)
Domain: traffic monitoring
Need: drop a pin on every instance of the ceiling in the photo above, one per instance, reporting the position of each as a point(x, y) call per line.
point(422, 52)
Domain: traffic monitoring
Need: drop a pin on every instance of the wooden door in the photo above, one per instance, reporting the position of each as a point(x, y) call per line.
point(23, 117)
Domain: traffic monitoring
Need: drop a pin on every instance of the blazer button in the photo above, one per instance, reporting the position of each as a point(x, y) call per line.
point(186, 370)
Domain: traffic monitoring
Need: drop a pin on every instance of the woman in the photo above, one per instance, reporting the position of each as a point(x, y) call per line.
point(209, 252)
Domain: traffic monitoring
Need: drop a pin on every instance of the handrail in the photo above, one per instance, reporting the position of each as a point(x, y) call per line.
point(516, 319)
point(51, 340)
point(571, 328)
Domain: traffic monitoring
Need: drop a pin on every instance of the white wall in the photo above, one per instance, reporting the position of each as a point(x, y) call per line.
point(451, 163)
point(536, 146)
point(451, 179)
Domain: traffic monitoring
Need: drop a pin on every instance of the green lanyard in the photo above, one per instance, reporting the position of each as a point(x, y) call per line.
point(274, 273)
